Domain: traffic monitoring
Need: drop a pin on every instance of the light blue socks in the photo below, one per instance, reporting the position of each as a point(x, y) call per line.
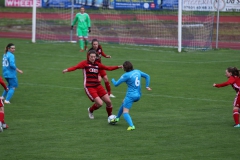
point(120, 111)
point(10, 94)
point(128, 118)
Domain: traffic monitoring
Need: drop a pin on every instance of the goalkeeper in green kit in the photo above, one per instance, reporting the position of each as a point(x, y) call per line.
point(83, 28)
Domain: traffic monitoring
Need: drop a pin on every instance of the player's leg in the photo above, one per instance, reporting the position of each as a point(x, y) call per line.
point(1, 115)
point(120, 112)
point(98, 103)
point(80, 39)
point(108, 102)
point(236, 116)
point(9, 95)
point(235, 111)
point(103, 74)
point(92, 95)
point(104, 96)
point(127, 104)
point(4, 94)
point(13, 84)
point(85, 38)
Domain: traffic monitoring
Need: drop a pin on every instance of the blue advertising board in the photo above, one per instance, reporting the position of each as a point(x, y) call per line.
point(113, 4)
point(169, 4)
point(137, 4)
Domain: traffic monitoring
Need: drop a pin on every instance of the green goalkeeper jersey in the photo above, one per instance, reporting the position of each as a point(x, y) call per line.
point(83, 21)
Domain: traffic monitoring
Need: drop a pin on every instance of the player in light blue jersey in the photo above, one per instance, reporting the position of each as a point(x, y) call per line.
point(9, 70)
point(132, 78)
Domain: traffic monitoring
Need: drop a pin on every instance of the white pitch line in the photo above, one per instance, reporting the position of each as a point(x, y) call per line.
point(146, 60)
point(150, 95)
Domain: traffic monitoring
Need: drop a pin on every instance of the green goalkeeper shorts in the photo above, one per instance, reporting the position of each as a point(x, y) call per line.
point(82, 33)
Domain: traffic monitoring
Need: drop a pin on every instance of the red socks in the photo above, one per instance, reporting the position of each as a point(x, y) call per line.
point(93, 108)
point(2, 116)
point(236, 116)
point(109, 110)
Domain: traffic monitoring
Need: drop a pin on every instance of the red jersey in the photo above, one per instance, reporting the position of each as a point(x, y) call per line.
point(100, 53)
point(232, 80)
point(2, 83)
point(91, 71)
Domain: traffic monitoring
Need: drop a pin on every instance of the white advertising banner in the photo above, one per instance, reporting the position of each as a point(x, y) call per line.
point(22, 3)
point(211, 5)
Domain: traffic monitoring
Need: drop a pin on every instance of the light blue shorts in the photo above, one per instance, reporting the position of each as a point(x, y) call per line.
point(128, 101)
point(12, 82)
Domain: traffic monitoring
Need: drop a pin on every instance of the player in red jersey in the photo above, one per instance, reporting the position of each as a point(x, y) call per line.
point(93, 88)
point(3, 125)
point(232, 73)
point(102, 74)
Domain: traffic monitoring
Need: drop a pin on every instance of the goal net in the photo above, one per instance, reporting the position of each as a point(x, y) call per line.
point(134, 22)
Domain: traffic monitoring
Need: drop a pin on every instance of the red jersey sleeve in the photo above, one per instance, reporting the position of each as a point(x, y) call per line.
point(231, 80)
point(108, 68)
point(102, 53)
point(3, 84)
point(80, 65)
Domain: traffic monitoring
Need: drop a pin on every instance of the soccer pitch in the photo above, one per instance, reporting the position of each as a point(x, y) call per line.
point(183, 117)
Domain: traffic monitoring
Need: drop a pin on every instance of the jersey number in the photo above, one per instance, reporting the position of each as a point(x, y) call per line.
point(137, 81)
point(5, 62)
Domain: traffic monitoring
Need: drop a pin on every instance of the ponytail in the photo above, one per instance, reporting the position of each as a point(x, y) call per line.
point(8, 47)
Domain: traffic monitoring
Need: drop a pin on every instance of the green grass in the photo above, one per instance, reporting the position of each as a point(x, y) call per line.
point(183, 117)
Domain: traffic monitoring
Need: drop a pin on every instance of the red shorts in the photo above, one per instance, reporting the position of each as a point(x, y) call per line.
point(93, 93)
point(236, 102)
point(1, 103)
point(102, 73)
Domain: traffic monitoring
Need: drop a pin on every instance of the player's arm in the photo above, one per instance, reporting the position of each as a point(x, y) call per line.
point(89, 23)
point(3, 84)
point(74, 21)
point(19, 70)
point(103, 54)
point(231, 80)
point(119, 81)
point(147, 78)
point(73, 68)
point(108, 68)
point(12, 63)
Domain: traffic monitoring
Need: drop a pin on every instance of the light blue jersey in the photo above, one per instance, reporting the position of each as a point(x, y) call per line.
point(133, 81)
point(8, 66)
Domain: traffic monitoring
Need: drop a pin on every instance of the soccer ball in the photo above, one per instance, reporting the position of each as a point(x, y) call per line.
point(111, 118)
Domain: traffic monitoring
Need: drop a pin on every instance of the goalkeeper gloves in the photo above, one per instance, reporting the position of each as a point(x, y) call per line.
point(89, 29)
point(71, 27)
